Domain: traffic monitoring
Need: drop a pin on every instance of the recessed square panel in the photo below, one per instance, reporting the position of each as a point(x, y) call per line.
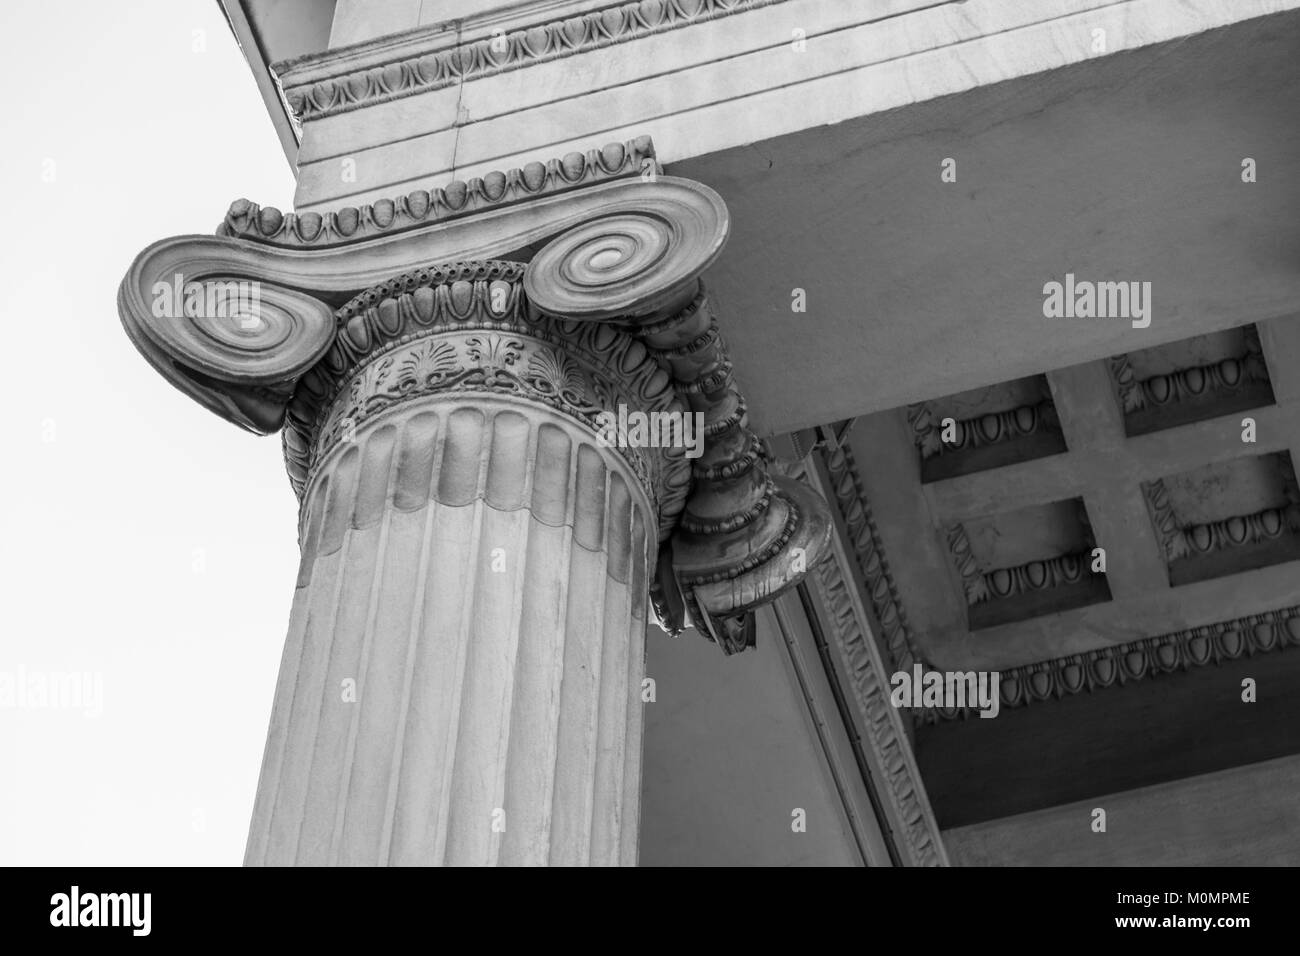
point(1192, 380)
point(986, 428)
point(1026, 563)
point(1227, 517)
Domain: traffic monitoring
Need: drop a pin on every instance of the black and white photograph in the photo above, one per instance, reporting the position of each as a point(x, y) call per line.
point(660, 433)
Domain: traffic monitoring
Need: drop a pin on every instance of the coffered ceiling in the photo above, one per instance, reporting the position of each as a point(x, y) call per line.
point(1119, 539)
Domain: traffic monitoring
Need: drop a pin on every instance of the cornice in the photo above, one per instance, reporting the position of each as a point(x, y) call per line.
point(428, 59)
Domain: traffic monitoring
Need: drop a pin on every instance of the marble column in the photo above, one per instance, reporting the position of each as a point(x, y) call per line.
point(462, 679)
point(461, 682)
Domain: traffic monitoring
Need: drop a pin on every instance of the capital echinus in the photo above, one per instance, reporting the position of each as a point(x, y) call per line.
point(571, 287)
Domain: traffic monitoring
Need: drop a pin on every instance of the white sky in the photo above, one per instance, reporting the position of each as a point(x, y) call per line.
point(149, 542)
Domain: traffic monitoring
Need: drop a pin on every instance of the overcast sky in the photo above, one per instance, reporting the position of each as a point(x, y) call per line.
point(146, 542)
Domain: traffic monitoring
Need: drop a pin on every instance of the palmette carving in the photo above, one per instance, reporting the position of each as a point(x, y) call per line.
point(1131, 395)
point(1164, 520)
point(468, 328)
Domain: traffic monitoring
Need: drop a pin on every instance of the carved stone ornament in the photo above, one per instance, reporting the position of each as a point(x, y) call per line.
point(573, 285)
point(315, 87)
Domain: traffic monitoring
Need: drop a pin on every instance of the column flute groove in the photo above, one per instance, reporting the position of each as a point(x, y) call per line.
point(362, 685)
point(408, 670)
point(329, 509)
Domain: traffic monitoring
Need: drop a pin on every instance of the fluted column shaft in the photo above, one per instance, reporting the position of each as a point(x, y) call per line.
point(461, 681)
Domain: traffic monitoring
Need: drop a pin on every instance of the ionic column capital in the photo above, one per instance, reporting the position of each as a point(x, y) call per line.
point(574, 285)
point(469, 329)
